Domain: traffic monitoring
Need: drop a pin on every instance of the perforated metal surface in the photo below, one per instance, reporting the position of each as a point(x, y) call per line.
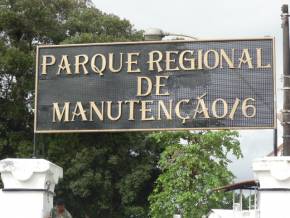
point(225, 83)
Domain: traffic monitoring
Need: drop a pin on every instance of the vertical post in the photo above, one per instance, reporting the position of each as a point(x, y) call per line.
point(275, 142)
point(34, 145)
point(241, 199)
point(286, 83)
point(28, 187)
point(250, 201)
point(273, 174)
point(255, 199)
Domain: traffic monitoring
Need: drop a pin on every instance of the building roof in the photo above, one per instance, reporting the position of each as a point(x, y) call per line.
point(248, 184)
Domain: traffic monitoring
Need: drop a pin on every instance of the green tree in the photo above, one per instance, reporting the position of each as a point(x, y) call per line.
point(25, 24)
point(105, 175)
point(192, 164)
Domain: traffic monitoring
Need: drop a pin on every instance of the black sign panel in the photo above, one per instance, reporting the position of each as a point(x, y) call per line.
point(168, 85)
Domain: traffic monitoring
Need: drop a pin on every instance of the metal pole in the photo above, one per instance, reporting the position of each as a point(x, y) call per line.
point(241, 199)
point(275, 142)
point(286, 83)
point(34, 145)
point(250, 201)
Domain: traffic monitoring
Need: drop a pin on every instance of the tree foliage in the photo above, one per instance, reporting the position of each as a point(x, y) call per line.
point(27, 23)
point(192, 164)
point(105, 175)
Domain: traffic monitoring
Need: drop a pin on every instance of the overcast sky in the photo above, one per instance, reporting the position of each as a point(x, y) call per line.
point(214, 19)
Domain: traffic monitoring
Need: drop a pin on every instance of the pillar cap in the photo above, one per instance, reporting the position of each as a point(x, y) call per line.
point(272, 172)
point(29, 173)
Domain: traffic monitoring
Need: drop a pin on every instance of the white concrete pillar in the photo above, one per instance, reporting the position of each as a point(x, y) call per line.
point(273, 174)
point(28, 187)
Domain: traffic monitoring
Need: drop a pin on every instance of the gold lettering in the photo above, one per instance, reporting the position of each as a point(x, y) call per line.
point(131, 108)
point(111, 63)
point(177, 110)
point(103, 64)
point(170, 61)
point(167, 114)
point(259, 60)
point(64, 65)
point(139, 85)
point(159, 85)
point(82, 112)
point(203, 109)
point(225, 108)
point(109, 110)
point(45, 63)
point(131, 62)
point(246, 107)
point(234, 109)
point(78, 63)
point(246, 58)
point(224, 56)
point(182, 58)
point(156, 61)
point(216, 59)
point(59, 115)
point(144, 110)
point(199, 62)
point(98, 112)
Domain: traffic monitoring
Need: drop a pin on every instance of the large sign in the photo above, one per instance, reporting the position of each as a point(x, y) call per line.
point(167, 85)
